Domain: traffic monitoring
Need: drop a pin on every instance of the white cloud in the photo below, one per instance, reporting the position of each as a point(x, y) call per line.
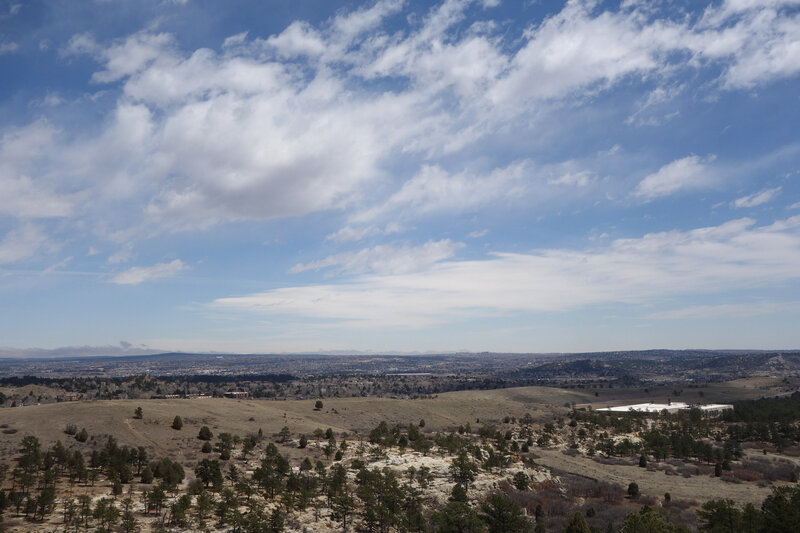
point(759, 41)
point(385, 259)
point(736, 254)
point(121, 256)
point(20, 194)
point(7, 48)
point(59, 265)
point(435, 189)
point(137, 275)
point(131, 56)
point(22, 243)
point(758, 198)
point(575, 179)
point(478, 234)
point(652, 111)
point(299, 39)
point(81, 43)
point(285, 125)
point(352, 233)
point(688, 173)
point(578, 48)
point(349, 233)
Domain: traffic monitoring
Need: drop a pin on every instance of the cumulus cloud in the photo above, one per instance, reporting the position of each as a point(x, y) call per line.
point(137, 275)
point(758, 198)
point(688, 173)
point(705, 260)
point(312, 118)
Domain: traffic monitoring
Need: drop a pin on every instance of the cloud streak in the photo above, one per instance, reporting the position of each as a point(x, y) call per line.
point(687, 174)
point(137, 275)
point(756, 199)
point(629, 271)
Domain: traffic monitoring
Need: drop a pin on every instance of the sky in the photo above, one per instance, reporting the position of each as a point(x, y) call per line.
point(390, 176)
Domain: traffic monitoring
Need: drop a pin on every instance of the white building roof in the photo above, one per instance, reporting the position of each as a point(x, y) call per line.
point(658, 407)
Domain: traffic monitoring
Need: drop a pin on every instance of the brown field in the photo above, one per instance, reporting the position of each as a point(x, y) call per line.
point(444, 412)
point(655, 483)
point(357, 416)
point(242, 417)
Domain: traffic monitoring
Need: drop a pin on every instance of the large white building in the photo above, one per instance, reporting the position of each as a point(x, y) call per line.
point(712, 409)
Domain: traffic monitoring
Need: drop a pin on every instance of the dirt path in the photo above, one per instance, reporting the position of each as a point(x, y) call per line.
point(655, 484)
point(142, 437)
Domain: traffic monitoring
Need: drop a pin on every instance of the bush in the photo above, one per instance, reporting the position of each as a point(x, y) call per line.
point(177, 422)
point(318, 405)
point(71, 429)
point(82, 435)
point(206, 447)
point(205, 433)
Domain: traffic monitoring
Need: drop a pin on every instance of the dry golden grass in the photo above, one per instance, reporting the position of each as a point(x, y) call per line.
point(443, 412)
point(115, 417)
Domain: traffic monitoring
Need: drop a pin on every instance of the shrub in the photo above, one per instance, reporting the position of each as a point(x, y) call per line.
point(82, 435)
point(177, 422)
point(205, 433)
point(71, 429)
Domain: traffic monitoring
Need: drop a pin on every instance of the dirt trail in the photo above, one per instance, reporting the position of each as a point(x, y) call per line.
point(143, 437)
point(655, 484)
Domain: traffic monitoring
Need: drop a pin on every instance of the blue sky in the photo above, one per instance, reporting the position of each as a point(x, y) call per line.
point(257, 176)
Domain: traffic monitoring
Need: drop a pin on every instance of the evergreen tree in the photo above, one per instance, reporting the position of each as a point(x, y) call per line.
point(521, 481)
point(456, 517)
point(501, 515)
point(781, 510)
point(577, 524)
